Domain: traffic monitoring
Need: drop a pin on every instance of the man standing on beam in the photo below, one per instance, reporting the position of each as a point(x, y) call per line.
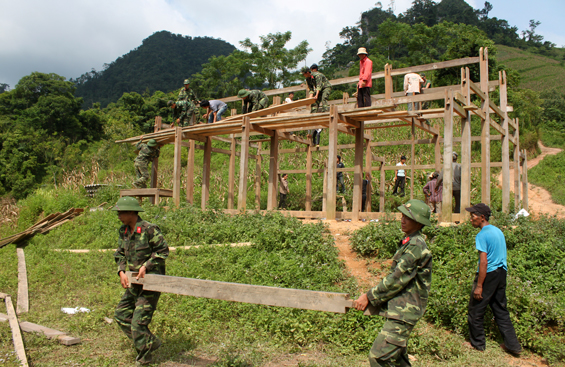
point(253, 100)
point(319, 87)
point(402, 295)
point(365, 78)
point(142, 249)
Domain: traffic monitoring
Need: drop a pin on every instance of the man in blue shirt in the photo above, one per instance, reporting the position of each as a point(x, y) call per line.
point(489, 287)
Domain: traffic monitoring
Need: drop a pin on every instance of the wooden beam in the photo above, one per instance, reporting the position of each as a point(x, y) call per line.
point(243, 165)
point(382, 189)
point(23, 298)
point(368, 176)
point(273, 109)
point(517, 196)
point(525, 198)
point(446, 206)
point(505, 144)
point(206, 167)
point(261, 130)
point(485, 129)
point(273, 173)
point(308, 204)
point(466, 145)
point(177, 165)
point(16, 333)
point(412, 158)
point(255, 294)
point(332, 164)
point(231, 174)
point(389, 87)
point(258, 179)
point(190, 172)
point(349, 121)
point(29, 327)
point(358, 175)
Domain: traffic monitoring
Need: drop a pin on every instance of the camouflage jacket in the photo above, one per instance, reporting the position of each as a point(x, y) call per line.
point(257, 100)
point(145, 246)
point(403, 294)
point(183, 110)
point(146, 154)
point(317, 82)
point(187, 95)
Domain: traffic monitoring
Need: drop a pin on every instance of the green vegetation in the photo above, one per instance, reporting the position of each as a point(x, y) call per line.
point(161, 63)
point(536, 296)
point(550, 174)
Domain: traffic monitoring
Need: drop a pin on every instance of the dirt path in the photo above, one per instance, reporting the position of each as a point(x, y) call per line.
point(539, 199)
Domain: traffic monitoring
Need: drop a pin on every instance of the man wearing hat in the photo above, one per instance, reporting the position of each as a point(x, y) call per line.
point(142, 249)
point(402, 295)
point(147, 152)
point(253, 100)
point(188, 95)
point(455, 184)
point(489, 287)
point(314, 67)
point(319, 87)
point(182, 113)
point(365, 79)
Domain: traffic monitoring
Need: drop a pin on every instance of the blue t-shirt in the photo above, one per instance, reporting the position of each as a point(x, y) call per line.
point(491, 240)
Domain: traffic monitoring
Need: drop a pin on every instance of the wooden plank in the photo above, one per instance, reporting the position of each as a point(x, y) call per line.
point(466, 146)
point(308, 204)
point(258, 178)
point(273, 173)
point(505, 144)
point(206, 167)
point(231, 174)
point(177, 165)
point(273, 109)
point(16, 333)
point(29, 327)
point(382, 189)
point(243, 166)
point(368, 176)
point(190, 172)
point(525, 199)
point(23, 300)
point(146, 192)
point(358, 172)
point(446, 207)
point(485, 129)
point(412, 158)
point(517, 196)
point(255, 294)
point(389, 87)
point(332, 164)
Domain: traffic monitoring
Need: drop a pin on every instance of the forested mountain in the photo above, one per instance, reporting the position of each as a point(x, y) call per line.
point(161, 63)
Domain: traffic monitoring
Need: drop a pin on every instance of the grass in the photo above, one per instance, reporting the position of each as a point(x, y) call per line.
point(550, 174)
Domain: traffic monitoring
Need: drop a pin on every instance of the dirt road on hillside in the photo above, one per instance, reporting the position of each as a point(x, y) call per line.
point(539, 199)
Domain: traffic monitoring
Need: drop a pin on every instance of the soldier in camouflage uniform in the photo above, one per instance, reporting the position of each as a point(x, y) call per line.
point(320, 88)
point(188, 95)
point(253, 100)
point(402, 295)
point(147, 152)
point(141, 248)
point(182, 113)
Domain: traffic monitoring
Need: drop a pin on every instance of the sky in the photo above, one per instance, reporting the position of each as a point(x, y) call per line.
point(70, 37)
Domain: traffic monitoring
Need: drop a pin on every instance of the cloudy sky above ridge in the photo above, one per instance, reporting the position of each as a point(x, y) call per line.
point(72, 37)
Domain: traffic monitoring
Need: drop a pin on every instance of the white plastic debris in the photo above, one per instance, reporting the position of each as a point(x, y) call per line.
point(72, 311)
point(522, 213)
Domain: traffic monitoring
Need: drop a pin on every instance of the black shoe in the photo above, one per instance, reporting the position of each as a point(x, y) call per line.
point(512, 352)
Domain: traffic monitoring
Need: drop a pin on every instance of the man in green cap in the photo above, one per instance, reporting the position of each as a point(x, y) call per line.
point(253, 100)
point(320, 88)
point(402, 295)
point(147, 152)
point(182, 113)
point(142, 249)
point(188, 95)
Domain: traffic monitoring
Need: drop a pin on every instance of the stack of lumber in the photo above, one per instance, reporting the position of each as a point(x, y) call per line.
point(43, 226)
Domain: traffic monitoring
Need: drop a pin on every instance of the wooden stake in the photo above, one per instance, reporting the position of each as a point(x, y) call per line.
point(243, 165)
point(16, 333)
point(446, 206)
point(309, 178)
point(358, 173)
point(273, 173)
point(190, 172)
point(505, 143)
point(206, 166)
point(177, 165)
point(231, 174)
point(332, 164)
point(23, 300)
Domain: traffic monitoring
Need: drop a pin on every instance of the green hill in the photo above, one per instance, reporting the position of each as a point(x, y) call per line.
point(160, 64)
point(539, 73)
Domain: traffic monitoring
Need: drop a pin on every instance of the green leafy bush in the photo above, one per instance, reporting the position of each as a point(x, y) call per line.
point(377, 239)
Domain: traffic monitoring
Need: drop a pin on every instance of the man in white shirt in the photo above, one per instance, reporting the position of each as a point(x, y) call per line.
point(412, 82)
point(400, 177)
point(290, 98)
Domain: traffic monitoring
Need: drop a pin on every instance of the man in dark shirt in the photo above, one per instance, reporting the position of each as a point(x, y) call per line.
point(340, 176)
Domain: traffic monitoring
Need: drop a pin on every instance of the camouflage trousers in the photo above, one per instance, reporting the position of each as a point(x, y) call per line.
point(141, 174)
point(389, 349)
point(133, 314)
point(321, 104)
point(263, 103)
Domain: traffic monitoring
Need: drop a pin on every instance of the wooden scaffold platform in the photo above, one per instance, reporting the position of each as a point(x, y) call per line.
point(277, 123)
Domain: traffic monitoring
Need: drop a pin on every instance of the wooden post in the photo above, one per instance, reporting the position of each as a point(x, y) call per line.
point(505, 143)
point(412, 159)
point(233, 111)
point(325, 191)
point(273, 172)
point(389, 89)
point(190, 172)
point(177, 165)
point(243, 165)
point(437, 152)
point(206, 172)
point(382, 189)
point(368, 174)
point(466, 147)
point(485, 129)
point(332, 164)
point(231, 174)
point(446, 206)
point(155, 165)
point(517, 197)
point(308, 178)
point(258, 177)
point(525, 180)
point(358, 171)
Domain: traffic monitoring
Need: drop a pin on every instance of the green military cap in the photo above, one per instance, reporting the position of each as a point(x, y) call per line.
point(152, 143)
point(127, 204)
point(242, 93)
point(416, 210)
point(186, 81)
point(305, 69)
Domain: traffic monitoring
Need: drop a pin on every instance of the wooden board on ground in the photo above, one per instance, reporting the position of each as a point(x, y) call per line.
point(16, 333)
point(23, 301)
point(83, 251)
point(29, 327)
point(256, 294)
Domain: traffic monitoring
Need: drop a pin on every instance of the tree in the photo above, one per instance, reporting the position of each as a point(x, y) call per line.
point(530, 35)
point(221, 76)
point(270, 63)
